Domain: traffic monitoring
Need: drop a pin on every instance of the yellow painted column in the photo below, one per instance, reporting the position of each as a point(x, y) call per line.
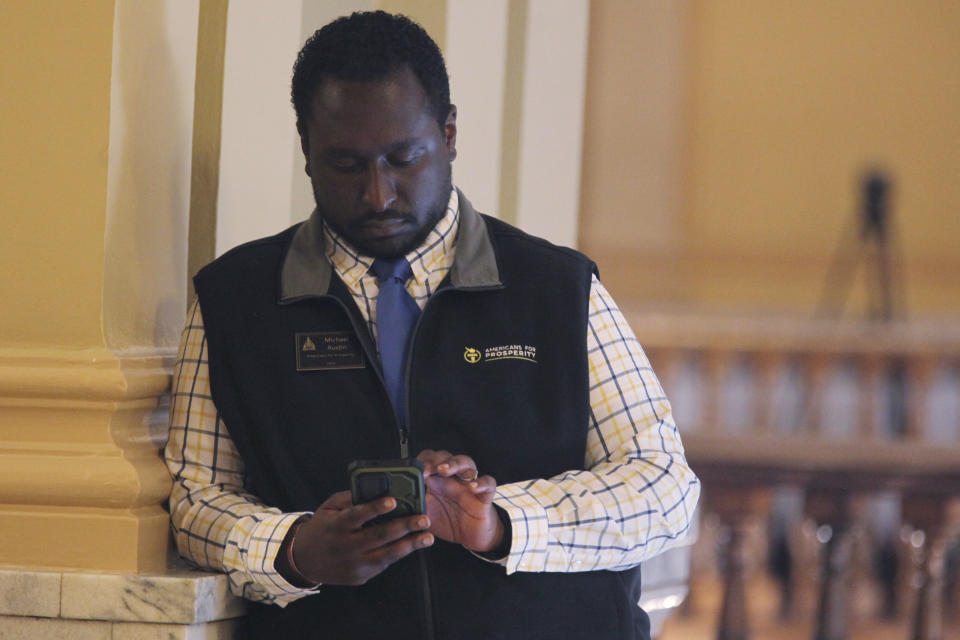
point(92, 277)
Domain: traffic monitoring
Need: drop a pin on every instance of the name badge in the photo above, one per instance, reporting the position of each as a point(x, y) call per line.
point(328, 351)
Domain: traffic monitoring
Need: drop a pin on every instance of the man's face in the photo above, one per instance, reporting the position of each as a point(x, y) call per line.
point(379, 162)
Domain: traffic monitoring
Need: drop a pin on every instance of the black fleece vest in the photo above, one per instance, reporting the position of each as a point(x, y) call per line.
point(520, 414)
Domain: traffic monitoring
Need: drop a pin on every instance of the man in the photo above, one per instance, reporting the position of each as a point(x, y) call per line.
point(512, 359)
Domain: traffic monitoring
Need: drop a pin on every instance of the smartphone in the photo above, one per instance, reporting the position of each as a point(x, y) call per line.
point(402, 479)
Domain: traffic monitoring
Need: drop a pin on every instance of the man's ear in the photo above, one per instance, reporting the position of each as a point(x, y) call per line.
point(450, 131)
point(305, 147)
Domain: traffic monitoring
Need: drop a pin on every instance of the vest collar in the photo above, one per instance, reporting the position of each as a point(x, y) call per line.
point(307, 273)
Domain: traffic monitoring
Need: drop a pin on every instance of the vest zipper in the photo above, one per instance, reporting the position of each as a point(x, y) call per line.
point(428, 631)
point(404, 435)
point(413, 335)
point(425, 578)
point(405, 432)
point(405, 420)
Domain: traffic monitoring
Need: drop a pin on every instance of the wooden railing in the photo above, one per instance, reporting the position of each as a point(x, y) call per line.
point(840, 410)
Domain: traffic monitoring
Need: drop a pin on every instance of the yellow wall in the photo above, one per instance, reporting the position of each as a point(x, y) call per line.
point(785, 104)
point(148, 187)
point(55, 85)
point(94, 190)
point(633, 120)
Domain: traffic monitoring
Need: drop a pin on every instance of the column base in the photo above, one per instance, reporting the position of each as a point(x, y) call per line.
point(78, 537)
point(177, 604)
point(81, 481)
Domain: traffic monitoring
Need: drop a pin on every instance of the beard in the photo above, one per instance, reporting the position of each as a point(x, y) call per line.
point(416, 225)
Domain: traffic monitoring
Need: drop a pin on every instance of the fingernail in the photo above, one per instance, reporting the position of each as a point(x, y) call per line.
point(423, 523)
point(426, 541)
point(443, 467)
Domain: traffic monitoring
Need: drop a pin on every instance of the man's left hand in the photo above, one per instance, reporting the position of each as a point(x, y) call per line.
point(459, 503)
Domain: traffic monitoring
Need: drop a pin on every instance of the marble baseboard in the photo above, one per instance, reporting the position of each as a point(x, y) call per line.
point(27, 628)
point(180, 604)
point(24, 628)
point(30, 593)
point(184, 598)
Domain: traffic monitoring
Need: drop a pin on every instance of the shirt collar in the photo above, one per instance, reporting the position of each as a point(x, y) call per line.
point(351, 265)
point(307, 270)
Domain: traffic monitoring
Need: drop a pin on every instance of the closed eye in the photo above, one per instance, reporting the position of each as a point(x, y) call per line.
point(346, 164)
point(404, 159)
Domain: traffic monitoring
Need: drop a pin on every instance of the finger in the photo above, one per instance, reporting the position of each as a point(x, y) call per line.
point(357, 515)
point(467, 475)
point(460, 465)
point(373, 561)
point(383, 534)
point(484, 488)
point(431, 459)
point(338, 501)
point(386, 555)
point(438, 485)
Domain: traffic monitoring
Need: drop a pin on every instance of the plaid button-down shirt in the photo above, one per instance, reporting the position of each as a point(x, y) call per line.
point(633, 499)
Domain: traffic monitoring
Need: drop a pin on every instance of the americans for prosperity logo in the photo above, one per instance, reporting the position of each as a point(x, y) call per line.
point(501, 352)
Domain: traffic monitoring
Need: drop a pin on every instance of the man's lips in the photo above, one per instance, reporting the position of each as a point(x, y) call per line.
point(383, 225)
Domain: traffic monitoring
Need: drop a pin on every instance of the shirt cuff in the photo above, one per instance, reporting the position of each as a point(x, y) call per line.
point(528, 520)
point(256, 551)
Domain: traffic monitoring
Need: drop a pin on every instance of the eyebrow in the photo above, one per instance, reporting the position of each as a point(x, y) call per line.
point(397, 146)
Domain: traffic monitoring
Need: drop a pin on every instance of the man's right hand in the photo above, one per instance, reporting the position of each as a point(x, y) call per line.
point(333, 547)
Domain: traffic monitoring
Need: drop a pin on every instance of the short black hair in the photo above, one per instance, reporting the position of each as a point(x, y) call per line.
point(369, 45)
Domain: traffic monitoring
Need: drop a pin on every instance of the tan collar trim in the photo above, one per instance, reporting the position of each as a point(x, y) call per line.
point(306, 272)
point(475, 264)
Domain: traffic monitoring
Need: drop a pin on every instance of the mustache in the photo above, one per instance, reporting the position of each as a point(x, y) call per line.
point(383, 216)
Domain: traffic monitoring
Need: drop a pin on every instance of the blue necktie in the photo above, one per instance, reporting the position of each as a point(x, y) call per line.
point(397, 312)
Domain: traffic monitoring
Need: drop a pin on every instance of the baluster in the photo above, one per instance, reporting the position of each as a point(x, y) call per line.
point(905, 581)
point(839, 514)
point(792, 551)
point(804, 549)
point(872, 371)
point(769, 366)
point(717, 365)
point(738, 509)
point(817, 368)
point(935, 523)
point(952, 591)
point(920, 371)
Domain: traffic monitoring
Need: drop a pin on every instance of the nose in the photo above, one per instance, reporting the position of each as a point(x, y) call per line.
point(379, 190)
